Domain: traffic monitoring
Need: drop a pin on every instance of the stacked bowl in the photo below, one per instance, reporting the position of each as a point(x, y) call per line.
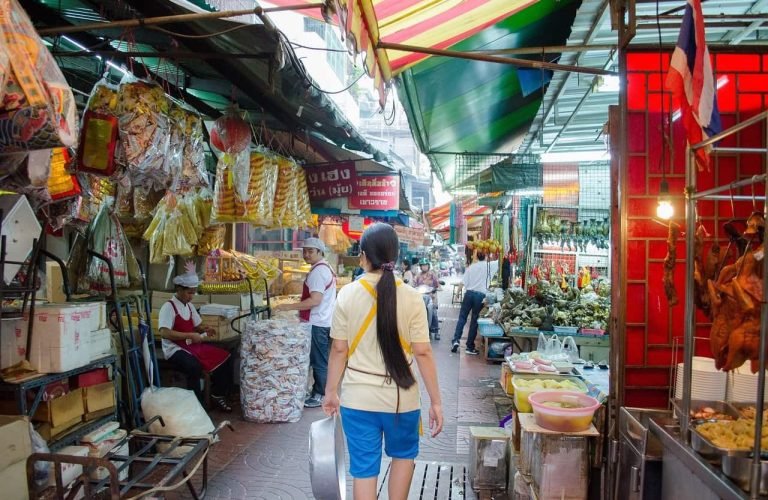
point(742, 385)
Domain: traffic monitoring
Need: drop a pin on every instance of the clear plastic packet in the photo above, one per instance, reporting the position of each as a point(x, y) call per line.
point(124, 196)
point(266, 202)
point(211, 239)
point(99, 137)
point(38, 109)
point(145, 132)
point(232, 190)
point(193, 171)
point(285, 203)
point(174, 240)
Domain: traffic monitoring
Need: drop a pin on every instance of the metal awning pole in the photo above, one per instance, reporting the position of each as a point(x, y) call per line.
point(690, 308)
point(180, 18)
point(474, 56)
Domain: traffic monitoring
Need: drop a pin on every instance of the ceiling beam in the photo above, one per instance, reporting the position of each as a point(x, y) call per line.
point(735, 37)
point(588, 39)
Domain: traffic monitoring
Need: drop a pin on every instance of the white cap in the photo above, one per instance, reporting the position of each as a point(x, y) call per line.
point(314, 243)
point(187, 280)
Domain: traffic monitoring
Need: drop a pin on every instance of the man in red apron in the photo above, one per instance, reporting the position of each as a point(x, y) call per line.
point(318, 299)
point(183, 343)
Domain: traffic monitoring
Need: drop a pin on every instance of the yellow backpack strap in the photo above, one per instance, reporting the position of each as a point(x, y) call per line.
point(369, 318)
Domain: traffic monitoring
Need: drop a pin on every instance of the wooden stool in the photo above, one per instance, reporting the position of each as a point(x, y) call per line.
point(458, 293)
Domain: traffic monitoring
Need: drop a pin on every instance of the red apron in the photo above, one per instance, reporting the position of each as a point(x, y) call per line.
point(305, 293)
point(210, 357)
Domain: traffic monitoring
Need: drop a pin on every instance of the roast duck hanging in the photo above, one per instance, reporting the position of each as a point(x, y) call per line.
point(731, 294)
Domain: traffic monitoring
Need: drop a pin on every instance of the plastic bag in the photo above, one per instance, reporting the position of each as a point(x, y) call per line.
point(285, 195)
point(145, 132)
point(182, 413)
point(98, 143)
point(42, 470)
point(274, 370)
point(211, 239)
point(21, 173)
point(193, 172)
point(570, 349)
point(232, 190)
point(38, 109)
point(106, 236)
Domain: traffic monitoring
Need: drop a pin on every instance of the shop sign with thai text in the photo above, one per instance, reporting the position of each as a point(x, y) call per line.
point(412, 236)
point(328, 182)
point(376, 192)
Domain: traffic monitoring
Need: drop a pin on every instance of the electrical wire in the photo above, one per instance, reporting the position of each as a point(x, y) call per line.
point(324, 49)
point(312, 84)
point(197, 37)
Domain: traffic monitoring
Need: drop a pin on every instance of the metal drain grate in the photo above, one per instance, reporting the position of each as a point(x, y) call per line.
point(432, 481)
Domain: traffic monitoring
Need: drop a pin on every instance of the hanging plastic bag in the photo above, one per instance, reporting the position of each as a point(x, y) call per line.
point(570, 349)
point(145, 132)
point(98, 143)
point(61, 183)
point(38, 109)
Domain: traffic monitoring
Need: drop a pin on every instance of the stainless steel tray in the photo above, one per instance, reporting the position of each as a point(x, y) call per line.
point(738, 406)
point(697, 404)
point(709, 450)
point(737, 468)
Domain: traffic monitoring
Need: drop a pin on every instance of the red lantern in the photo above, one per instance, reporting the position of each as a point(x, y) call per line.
point(230, 133)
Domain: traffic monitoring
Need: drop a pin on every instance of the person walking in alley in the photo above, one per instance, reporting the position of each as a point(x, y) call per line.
point(318, 299)
point(379, 328)
point(476, 279)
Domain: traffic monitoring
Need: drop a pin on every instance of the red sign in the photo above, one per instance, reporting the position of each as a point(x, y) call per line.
point(376, 192)
point(328, 182)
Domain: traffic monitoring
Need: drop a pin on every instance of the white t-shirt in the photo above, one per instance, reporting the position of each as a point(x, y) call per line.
point(363, 391)
point(478, 276)
point(317, 281)
point(166, 318)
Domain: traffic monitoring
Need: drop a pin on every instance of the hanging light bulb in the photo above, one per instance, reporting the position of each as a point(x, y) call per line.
point(664, 210)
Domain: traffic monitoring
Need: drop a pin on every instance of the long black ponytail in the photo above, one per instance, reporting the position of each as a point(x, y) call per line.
point(381, 246)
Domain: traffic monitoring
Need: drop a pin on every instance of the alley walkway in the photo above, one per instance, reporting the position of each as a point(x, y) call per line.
point(270, 461)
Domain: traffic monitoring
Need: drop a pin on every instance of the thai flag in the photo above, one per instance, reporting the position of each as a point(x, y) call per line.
point(691, 81)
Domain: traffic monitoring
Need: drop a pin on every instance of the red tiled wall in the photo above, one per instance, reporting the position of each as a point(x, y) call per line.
point(652, 325)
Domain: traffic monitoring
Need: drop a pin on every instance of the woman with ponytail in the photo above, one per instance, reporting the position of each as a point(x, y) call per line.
point(379, 329)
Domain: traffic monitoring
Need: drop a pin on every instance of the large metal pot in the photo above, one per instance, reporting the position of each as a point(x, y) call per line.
point(326, 459)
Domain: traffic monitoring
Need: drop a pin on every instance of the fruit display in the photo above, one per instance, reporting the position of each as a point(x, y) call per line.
point(563, 411)
point(524, 387)
point(489, 247)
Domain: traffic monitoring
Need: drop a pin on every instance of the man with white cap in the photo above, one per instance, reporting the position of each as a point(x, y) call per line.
point(318, 299)
point(183, 337)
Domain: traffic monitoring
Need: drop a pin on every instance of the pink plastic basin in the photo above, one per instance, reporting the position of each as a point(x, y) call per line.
point(563, 419)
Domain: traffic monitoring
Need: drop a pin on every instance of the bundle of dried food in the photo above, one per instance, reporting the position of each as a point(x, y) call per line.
point(233, 188)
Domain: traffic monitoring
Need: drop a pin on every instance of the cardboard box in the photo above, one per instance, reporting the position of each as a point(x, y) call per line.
point(61, 410)
point(221, 325)
point(99, 397)
point(13, 342)
point(54, 283)
point(14, 481)
point(15, 443)
point(93, 377)
point(100, 343)
point(53, 390)
point(48, 432)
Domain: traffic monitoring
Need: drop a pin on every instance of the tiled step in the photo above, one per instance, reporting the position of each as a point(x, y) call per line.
point(432, 481)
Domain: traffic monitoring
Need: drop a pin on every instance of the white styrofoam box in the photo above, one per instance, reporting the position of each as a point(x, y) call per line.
point(21, 228)
point(59, 338)
point(69, 472)
point(93, 315)
point(13, 342)
point(99, 343)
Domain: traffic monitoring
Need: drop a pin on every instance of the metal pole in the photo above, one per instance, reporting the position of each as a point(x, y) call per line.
point(717, 150)
point(756, 476)
point(523, 63)
point(548, 49)
point(690, 312)
point(734, 185)
point(725, 133)
point(180, 18)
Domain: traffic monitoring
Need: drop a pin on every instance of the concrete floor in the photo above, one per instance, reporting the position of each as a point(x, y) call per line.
point(270, 461)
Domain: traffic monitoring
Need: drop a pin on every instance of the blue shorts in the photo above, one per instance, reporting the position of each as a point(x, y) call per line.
point(364, 430)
